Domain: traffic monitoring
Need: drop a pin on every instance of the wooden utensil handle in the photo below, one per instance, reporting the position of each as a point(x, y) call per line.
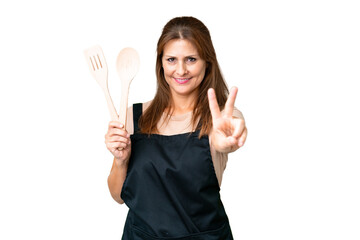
point(123, 106)
point(112, 109)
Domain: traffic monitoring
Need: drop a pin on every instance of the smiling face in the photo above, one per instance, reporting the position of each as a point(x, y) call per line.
point(184, 70)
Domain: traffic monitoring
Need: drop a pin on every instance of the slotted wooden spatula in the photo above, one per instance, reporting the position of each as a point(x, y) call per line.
point(98, 69)
point(127, 65)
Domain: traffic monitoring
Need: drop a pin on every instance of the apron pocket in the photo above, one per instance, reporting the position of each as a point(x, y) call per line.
point(222, 233)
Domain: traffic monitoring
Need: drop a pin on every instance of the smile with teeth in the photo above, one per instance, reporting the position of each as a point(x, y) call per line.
point(182, 80)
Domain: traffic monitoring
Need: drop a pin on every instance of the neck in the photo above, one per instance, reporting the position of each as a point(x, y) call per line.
point(181, 104)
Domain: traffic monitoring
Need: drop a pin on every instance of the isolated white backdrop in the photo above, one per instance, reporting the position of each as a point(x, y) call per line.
point(296, 64)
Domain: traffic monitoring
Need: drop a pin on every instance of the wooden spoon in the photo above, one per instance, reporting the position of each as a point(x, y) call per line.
point(127, 66)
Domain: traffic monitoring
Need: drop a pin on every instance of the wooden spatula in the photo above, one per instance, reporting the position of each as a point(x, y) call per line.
point(98, 69)
point(127, 65)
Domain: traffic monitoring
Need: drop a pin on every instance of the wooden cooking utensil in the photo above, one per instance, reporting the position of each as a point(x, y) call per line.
point(127, 65)
point(98, 69)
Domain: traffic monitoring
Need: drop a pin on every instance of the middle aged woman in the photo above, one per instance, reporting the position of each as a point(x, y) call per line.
point(169, 171)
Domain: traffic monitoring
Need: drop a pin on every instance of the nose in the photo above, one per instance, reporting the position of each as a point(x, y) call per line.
point(181, 68)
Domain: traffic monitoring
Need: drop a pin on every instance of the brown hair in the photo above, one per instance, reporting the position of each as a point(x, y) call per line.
point(196, 32)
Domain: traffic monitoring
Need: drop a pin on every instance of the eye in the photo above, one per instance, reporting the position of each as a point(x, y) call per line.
point(191, 59)
point(170, 59)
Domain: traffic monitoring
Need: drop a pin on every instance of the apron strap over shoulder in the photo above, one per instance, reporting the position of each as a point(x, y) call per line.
point(137, 111)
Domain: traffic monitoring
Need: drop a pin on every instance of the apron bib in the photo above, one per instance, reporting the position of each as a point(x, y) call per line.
point(171, 188)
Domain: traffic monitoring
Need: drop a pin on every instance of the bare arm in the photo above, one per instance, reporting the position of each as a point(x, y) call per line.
point(118, 143)
point(116, 180)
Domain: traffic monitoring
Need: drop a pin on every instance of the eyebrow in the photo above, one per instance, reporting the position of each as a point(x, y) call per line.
point(192, 55)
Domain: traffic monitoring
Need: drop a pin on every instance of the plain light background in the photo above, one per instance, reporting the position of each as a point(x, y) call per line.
point(296, 64)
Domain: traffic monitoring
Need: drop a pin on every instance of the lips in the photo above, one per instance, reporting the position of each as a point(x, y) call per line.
point(182, 80)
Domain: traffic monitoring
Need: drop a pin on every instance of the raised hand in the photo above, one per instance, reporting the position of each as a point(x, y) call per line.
point(118, 142)
point(228, 133)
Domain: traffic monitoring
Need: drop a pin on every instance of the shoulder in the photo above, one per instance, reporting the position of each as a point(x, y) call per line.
point(129, 116)
point(236, 113)
point(146, 105)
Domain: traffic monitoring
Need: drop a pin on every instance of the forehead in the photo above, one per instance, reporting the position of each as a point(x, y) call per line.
point(180, 47)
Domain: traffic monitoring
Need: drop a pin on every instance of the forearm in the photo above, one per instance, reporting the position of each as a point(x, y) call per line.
point(116, 179)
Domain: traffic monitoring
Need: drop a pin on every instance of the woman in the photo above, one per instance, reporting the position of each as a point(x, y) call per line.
point(169, 171)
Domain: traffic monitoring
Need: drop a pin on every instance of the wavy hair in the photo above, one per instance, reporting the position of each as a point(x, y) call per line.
point(193, 30)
